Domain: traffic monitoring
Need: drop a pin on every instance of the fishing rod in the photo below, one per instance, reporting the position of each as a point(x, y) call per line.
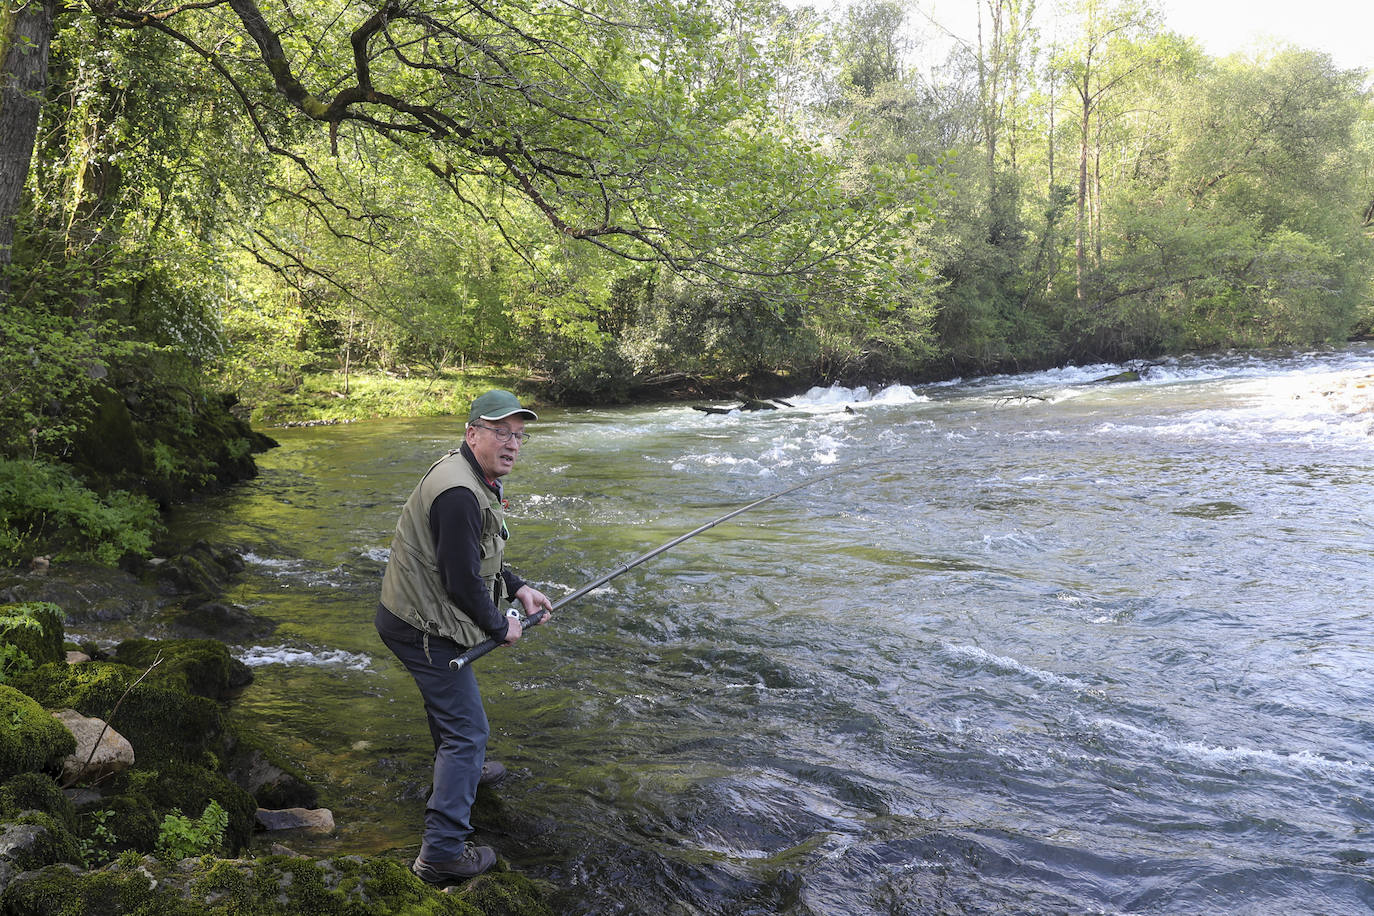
point(482, 648)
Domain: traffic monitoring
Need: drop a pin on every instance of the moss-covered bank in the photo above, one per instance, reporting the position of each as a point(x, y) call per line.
point(108, 848)
point(265, 886)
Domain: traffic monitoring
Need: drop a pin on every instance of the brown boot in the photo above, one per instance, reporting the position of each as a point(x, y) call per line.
point(473, 861)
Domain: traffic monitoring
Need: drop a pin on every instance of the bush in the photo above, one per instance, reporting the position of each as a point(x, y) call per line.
point(44, 509)
point(183, 838)
point(30, 634)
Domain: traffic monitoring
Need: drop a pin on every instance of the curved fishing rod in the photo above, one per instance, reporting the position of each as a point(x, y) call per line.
point(482, 648)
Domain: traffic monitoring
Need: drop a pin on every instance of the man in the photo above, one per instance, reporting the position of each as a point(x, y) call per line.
point(440, 596)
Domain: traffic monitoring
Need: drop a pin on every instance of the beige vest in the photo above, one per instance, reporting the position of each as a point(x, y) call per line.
point(410, 587)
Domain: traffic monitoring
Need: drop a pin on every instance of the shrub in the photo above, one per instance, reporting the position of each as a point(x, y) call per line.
point(30, 634)
point(43, 508)
point(183, 838)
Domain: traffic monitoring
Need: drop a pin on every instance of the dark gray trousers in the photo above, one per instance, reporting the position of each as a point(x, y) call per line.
point(458, 724)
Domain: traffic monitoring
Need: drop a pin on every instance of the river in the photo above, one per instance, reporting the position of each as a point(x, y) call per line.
point(1046, 646)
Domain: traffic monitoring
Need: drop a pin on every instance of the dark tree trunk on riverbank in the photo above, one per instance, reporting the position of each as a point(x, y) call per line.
point(25, 34)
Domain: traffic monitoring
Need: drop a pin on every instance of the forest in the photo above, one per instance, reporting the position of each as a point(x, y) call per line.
point(206, 204)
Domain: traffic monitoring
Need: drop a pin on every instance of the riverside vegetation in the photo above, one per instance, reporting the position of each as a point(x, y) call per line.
point(170, 834)
point(651, 201)
point(232, 215)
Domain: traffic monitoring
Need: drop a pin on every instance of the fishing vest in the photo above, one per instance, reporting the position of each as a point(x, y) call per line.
point(410, 587)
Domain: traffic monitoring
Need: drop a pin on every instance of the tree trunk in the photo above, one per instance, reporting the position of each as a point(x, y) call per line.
point(25, 33)
point(1080, 249)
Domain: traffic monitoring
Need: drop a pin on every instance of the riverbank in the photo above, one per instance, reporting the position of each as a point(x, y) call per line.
point(333, 397)
point(328, 398)
point(169, 803)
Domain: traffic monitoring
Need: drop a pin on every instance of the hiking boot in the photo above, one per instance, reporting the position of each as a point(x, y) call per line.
point(492, 773)
point(473, 861)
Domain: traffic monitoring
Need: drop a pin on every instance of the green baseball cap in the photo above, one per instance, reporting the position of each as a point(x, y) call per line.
point(498, 404)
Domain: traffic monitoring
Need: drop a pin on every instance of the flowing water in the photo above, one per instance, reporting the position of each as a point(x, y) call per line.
point(1047, 647)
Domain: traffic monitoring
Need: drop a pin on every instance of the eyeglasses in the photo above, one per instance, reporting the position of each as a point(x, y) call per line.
point(502, 434)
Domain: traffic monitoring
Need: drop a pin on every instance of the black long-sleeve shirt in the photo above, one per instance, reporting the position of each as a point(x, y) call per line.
point(455, 521)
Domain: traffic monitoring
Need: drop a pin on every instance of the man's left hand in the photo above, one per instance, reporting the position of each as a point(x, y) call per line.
point(532, 600)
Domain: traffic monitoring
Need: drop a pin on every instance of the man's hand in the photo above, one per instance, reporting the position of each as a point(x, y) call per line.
point(532, 599)
point(513, 628)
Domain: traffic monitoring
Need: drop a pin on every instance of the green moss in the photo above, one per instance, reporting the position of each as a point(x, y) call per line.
point(122, 822)
point(505, 894)
point(163, 724)
point(30, 738)
point(202, 667)
point(118, 891)
point(34, 628)
point(36, 792)
point(53, 841)
point(185, 788)
point(267, 886)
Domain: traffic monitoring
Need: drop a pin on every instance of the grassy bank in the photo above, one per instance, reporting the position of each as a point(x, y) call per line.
point(324, 396)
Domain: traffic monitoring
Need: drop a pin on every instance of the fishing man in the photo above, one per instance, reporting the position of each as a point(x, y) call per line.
point(444, 582)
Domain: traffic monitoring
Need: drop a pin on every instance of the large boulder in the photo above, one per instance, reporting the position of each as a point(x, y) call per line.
point(202, 667)
point(101, 752)
point(163, 722)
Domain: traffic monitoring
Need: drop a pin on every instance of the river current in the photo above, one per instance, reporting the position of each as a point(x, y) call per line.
point(1042, 645)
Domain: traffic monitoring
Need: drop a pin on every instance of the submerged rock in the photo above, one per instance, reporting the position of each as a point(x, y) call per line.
point(311, 820)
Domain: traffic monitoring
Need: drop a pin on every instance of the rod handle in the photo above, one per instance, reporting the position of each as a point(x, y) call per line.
point(486, 645)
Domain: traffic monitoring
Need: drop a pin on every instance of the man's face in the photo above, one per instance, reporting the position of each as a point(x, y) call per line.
point(495, 457)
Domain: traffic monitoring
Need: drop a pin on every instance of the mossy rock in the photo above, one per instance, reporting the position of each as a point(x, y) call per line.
point(162, 723)
point(200, 573)
point(34, 628)
point(36, 792)
point(119, 822)
point(64, 891)
point(30, 738)
point(33, 839)
point(258, 766)
point(202, 667)
point(267, 886)
point(187, 789)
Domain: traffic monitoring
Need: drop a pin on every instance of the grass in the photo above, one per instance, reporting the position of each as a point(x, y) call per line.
point(320, 396)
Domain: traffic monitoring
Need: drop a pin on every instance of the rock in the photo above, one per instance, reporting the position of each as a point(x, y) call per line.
point(33, 840)
point(19, 841)
point(113, 752)
point(30, 741)
point(83, 796)
point(201, 667)
point(199, 575)
point(313, 820)
point(1129, 375)
point(272, 783)
point(224, 622)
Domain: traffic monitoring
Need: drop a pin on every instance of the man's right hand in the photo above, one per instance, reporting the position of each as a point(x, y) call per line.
point(513, 629)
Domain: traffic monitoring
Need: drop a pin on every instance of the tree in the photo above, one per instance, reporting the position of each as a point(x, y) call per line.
point(25, 34)
point(1109, 52)
point(636, 128)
